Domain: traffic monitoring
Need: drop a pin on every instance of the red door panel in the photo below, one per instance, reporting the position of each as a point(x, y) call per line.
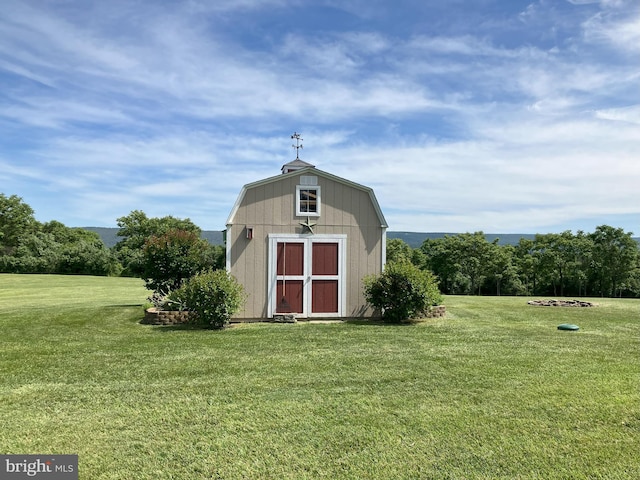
point(289, 296)
point(325, 259)
point(324, 296)
point(290, 258)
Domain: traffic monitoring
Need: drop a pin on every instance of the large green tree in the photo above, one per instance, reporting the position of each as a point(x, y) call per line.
point(615, 259)
point(398, 251)
point(558, 258)
point(527, 260)
point(172, 258)
point(502, 272)
point(440, 258)
point(473, 258)
point(581, 265)
point(136, 228)
point(16, 221)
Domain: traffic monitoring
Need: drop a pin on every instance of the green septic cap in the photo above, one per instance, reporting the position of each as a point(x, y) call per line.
point(568, 326)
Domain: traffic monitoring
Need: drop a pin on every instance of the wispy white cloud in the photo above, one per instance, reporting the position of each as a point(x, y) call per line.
point(621, 33)
point(630, 114)
point(56, 113)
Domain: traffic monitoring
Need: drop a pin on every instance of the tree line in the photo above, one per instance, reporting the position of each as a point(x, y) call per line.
point(155, 249)
point(603, 263)
point(164, 251)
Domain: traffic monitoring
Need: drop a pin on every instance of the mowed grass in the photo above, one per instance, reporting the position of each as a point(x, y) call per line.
point(492, 391)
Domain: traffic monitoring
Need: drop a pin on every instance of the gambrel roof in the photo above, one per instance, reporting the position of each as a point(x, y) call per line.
point(308, 170)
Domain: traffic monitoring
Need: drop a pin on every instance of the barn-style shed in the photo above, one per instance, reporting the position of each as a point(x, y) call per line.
point(301, 242)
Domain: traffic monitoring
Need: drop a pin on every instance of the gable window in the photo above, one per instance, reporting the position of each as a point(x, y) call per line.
point(307, 201)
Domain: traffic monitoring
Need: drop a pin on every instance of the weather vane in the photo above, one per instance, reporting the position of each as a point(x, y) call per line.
point(298, 145)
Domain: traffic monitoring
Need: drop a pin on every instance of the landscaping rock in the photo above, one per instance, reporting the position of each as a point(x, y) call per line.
point(560, 303)
point(436, 312)
point(286, 318)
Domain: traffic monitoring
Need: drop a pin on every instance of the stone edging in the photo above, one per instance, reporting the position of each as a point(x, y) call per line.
point(560, 303)
point(436, 312)
point(153, 316)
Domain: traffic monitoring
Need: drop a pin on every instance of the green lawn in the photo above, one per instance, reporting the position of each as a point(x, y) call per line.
point(492, 391)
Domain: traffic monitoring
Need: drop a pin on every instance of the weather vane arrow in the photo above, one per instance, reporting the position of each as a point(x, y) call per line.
point(298, 145)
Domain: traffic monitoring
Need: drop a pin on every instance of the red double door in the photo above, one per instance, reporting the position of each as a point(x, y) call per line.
point(308, 277)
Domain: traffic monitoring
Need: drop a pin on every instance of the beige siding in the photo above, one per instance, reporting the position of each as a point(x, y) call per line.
point(270, 208)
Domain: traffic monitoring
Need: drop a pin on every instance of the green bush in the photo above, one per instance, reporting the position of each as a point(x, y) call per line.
point(213, 296)
point(175, 301)
point(402, 291)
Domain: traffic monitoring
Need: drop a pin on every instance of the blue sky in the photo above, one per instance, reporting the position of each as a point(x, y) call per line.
point(462, 115)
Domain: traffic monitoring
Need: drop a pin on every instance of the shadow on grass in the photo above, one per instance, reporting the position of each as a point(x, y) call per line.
point(347, 322)
point(124, 305)
point(382, 323)
point(184, 327)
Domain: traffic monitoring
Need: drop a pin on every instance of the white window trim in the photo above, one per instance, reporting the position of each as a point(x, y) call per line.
point(319, 201)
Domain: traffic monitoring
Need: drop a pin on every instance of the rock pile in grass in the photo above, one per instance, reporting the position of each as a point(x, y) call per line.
point(560, 303)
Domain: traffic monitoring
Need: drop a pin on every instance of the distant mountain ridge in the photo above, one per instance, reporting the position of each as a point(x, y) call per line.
point(413, 239)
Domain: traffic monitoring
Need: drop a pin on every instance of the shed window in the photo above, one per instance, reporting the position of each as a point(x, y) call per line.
point(307, 201)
